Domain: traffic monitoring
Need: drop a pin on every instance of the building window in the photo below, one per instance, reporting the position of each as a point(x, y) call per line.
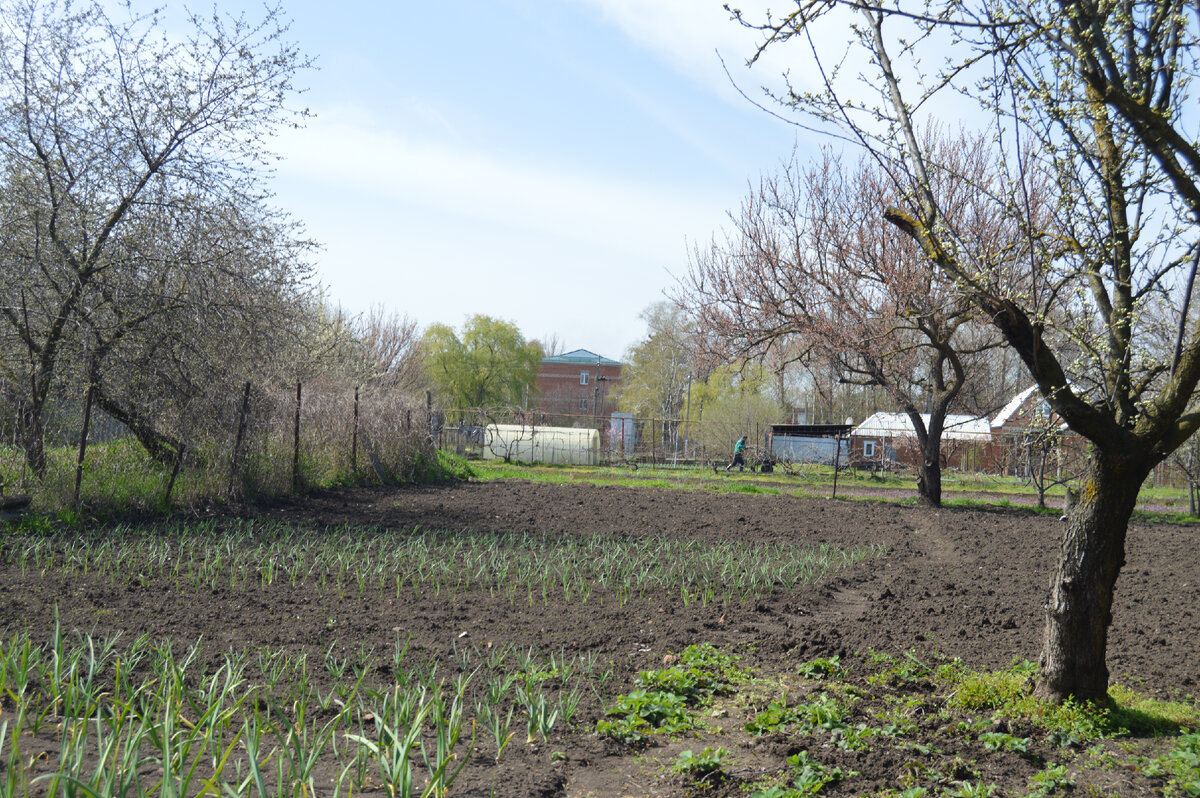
point(868, 448)
point(583, 378)
point(583, 402)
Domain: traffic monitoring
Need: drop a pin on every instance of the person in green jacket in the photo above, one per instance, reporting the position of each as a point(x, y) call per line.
point(738, 460)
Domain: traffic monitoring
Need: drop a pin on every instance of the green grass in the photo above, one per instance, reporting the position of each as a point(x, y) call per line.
point(1179, 767)
point(1166, 517)
point(938, 714)
point(680, 476)
point(1007, 694)
point(818, 482)
point(118, 477)
point(121, 479)
point(1143, 715)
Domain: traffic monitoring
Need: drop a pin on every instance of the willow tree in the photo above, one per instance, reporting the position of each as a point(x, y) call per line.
point(808, 268)
point(1093, 96)
point(486, 365)
point(736, 398)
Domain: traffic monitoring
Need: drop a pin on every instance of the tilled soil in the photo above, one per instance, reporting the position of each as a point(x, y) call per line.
point(961, 583)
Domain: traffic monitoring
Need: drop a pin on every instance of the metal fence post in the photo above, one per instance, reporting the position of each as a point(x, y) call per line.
point(235, 462)
point(837, 461)
point(296, 445)
point(354, 436)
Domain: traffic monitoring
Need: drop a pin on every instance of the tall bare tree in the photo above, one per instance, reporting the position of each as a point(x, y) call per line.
point(168, 356)
point(378, 349)
point(551, 345)
point(659, 367)
point(1094, 95)
point(123, 156)
point(810, 266)
point(393, 346)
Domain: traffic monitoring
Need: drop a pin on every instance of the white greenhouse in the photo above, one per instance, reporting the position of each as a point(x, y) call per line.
point(556, 445)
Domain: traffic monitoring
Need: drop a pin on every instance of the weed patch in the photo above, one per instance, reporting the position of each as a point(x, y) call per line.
point(668, 699)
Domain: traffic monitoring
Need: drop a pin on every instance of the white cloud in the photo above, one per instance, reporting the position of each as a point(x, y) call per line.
point(348, 154)
point(438, 231)
point(684, 32)
point(688, 35)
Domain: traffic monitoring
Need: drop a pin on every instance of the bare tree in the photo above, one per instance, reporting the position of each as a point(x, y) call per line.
point(120, 152)
point(1050, 456)
point(1187, 459)
point(167, 357)
point(1092, 95)
point(660, 368)
point(392, 347)
point(810, 265)
point(551, 345)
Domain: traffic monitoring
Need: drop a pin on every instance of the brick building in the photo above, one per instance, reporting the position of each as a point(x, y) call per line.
point(577, 386)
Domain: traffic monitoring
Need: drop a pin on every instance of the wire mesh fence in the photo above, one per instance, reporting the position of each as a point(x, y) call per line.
point(263, 441)
point(288, 439)
point(259, 441)
point(618, 439)
point(622, 439)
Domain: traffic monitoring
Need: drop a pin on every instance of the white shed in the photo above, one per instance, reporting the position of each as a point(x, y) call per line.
point(890, 437)
point(899, 425)
point(530, 444)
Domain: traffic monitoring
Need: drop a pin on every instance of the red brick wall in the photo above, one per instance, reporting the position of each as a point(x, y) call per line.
point(560, 391)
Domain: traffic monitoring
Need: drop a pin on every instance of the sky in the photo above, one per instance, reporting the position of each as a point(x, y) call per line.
point(546, 162)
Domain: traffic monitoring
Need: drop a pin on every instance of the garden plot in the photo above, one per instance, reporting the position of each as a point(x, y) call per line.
point(516, 639)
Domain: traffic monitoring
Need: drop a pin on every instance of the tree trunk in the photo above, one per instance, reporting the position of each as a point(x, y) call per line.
point(33, 438)
point(1040, 480)
point(929, 480)
point(159, 445)
point(1090, 557)
point(929, 446)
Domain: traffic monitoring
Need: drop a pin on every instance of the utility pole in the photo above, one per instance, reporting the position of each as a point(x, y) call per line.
point(596, 396)
point(687, 418)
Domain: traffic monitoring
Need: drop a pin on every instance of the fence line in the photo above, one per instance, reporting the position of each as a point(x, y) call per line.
point(313, 434)
point(274, 440)
point(682, 442)
point(267, 441)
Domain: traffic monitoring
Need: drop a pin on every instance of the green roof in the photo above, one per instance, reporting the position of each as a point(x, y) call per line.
point(583, 357)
